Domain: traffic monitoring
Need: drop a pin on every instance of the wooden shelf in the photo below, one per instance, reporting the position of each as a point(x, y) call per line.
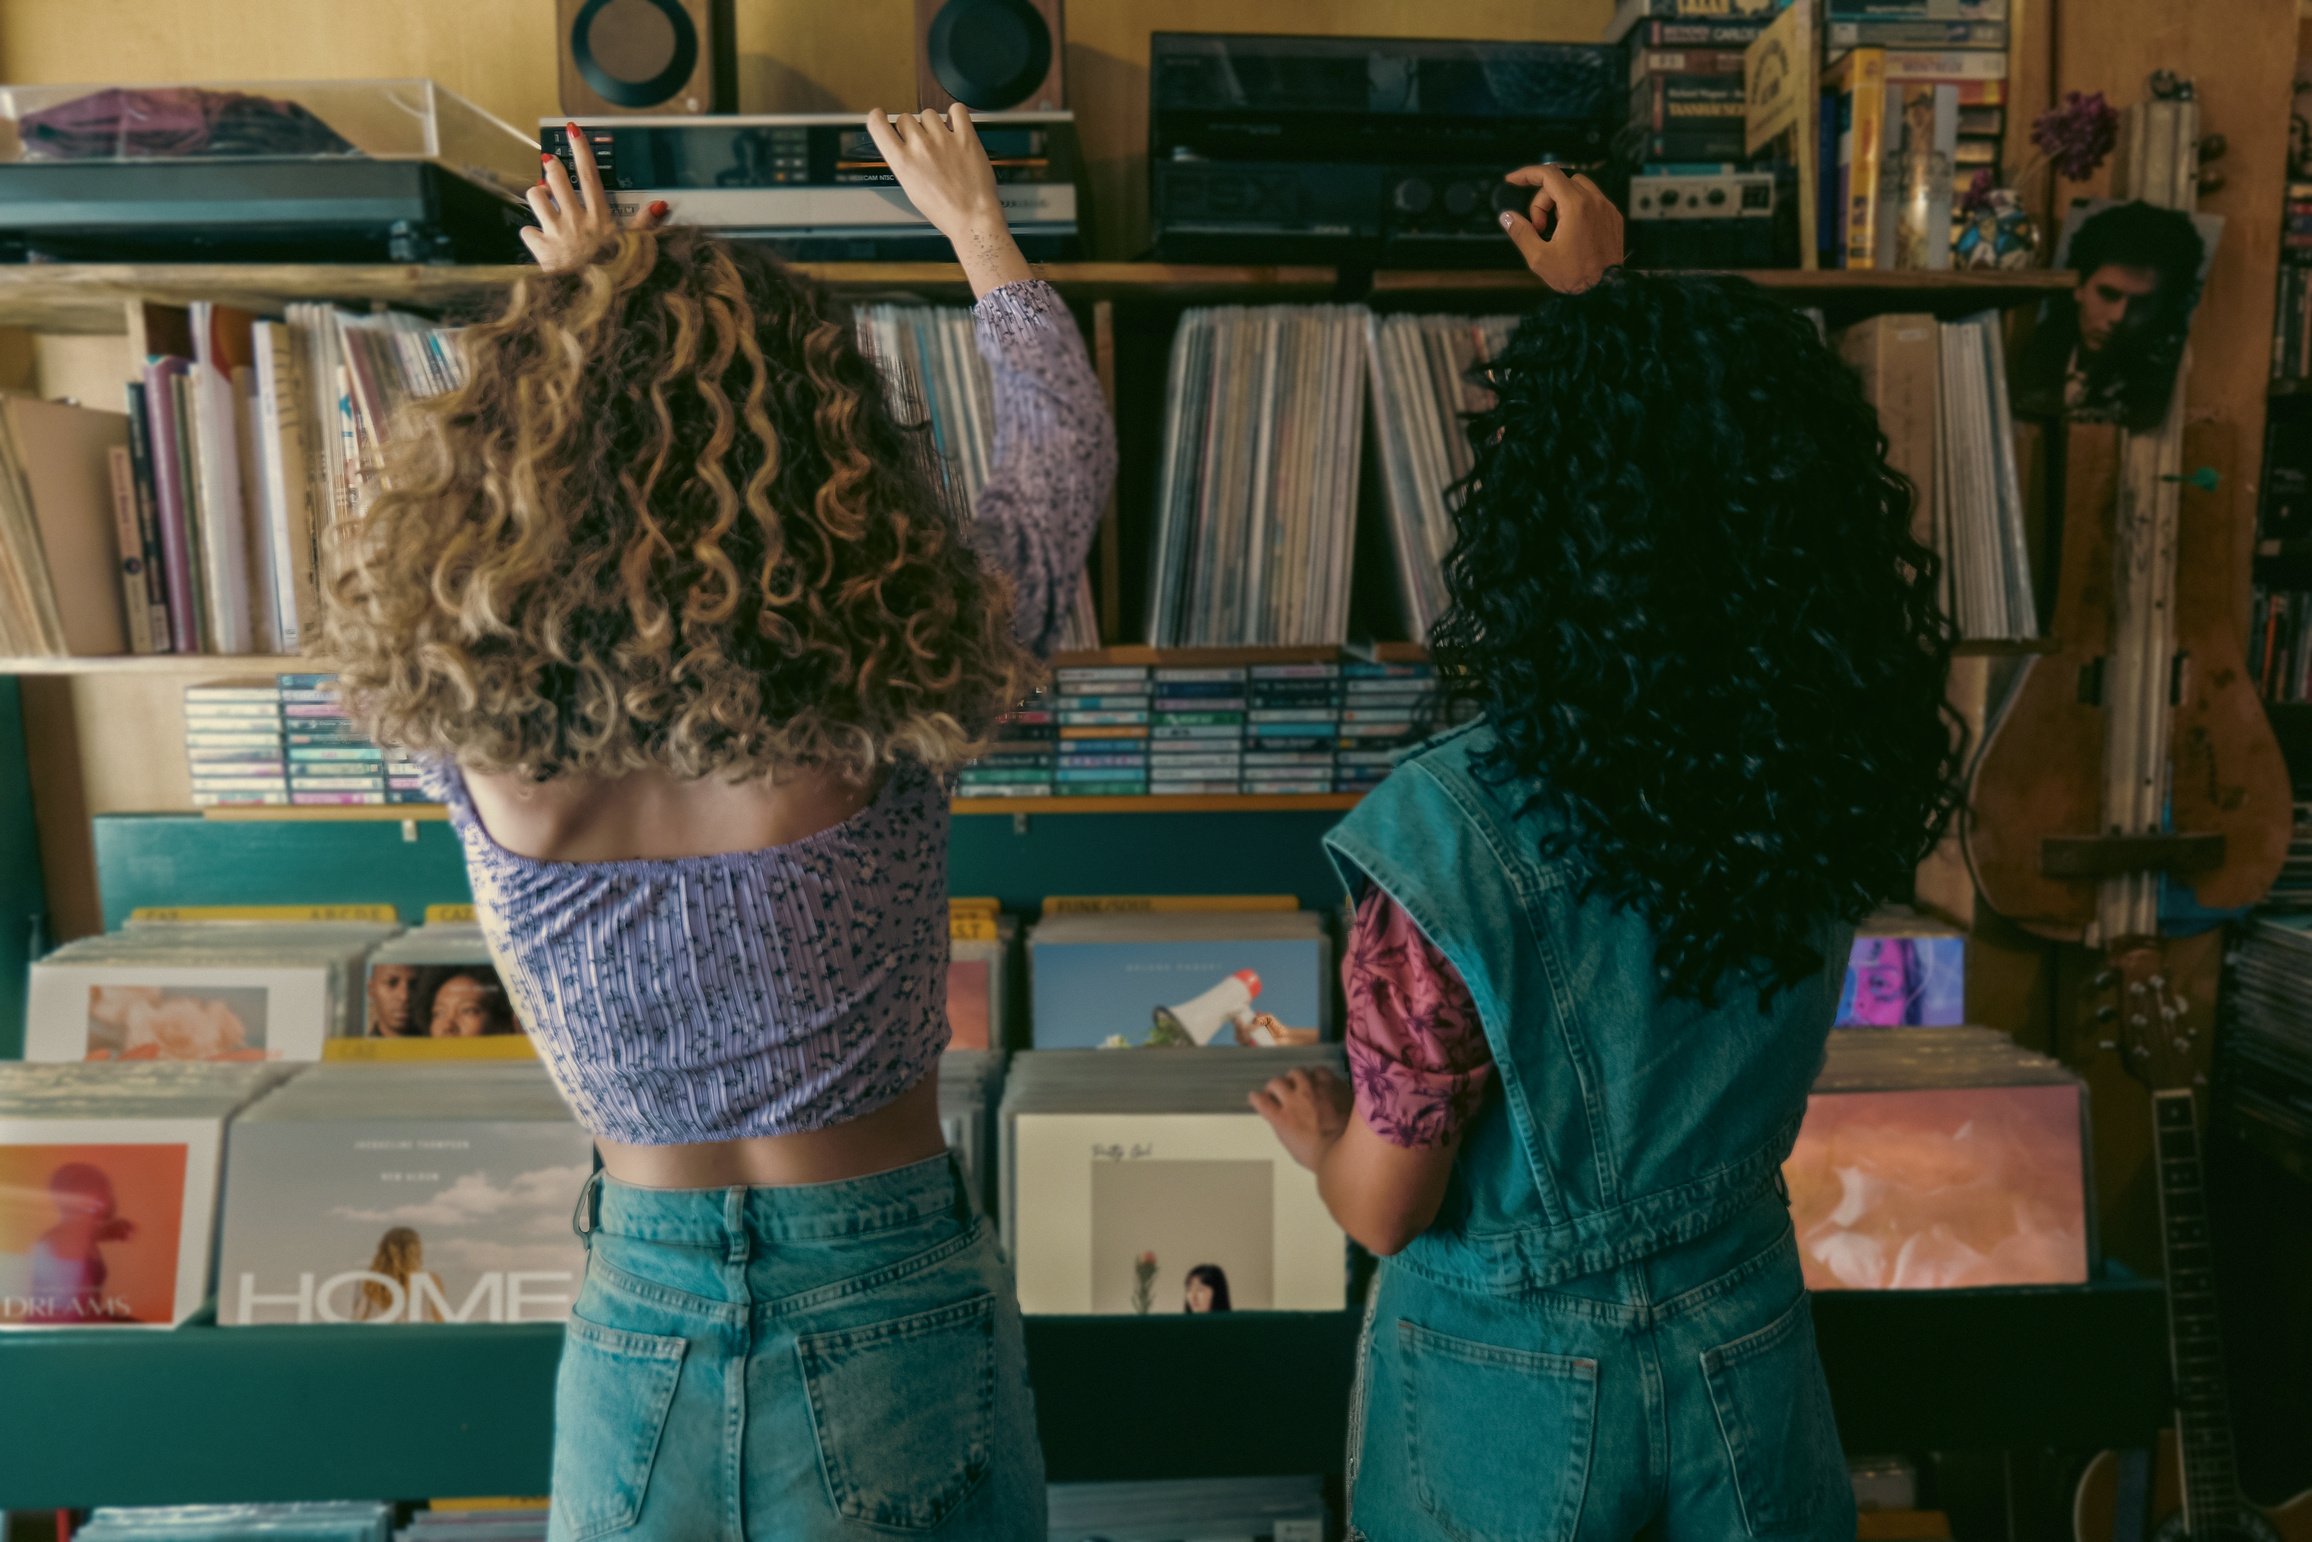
point(219, 664)
point(89, 297)
point(1213, 803)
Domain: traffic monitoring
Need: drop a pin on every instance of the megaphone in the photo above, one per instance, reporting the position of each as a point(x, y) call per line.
point(1224, 1006)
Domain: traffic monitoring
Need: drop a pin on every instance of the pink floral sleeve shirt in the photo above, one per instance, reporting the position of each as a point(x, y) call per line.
point(1417, 1052)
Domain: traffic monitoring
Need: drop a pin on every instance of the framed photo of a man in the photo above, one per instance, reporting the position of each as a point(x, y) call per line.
point(2109, 350)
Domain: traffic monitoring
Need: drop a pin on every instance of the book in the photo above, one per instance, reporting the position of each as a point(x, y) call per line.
point(403, 1194)
point(1857, 92)
point(1120, 1192)
point(1940, 1158)
point(58, 518)
point(164, 408)
point(161, 625)
point(1898, 357)
point(287, 492)
point(233, 558)
point(135, 613)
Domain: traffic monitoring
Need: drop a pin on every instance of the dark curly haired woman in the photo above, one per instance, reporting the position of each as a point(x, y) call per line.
point(1601, 931)
point(666, 603)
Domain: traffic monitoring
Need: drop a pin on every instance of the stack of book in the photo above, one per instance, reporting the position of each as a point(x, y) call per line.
point(1938, 1158)
point(287, 741)
point(62, 569)
point(1256, 502)
point(1685, 63)
point(403, 1194)
point(933, 371)
point(200, 990)
point(2266, 1060)
point(1941, 393)
point(1161, 1191)
point(108, 1189)
point(1424, 380)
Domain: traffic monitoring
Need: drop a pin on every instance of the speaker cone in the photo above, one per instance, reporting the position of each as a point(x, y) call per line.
point(636, 53)
point(989, 54)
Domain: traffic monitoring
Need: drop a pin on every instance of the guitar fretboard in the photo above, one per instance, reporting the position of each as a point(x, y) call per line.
point(2195, 1344)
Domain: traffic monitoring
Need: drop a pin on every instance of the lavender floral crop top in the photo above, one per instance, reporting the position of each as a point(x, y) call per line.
point(797, 987)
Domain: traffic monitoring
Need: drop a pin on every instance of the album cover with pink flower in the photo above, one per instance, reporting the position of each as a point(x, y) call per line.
point(177, 1011)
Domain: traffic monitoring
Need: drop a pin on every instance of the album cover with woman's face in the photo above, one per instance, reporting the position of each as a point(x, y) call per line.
point(437, 1001)
point(89, 1234)
point(1905, 981)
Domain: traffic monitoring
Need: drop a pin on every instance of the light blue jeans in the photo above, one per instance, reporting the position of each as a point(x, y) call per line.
point(840, 1360)
point(1678, 1399)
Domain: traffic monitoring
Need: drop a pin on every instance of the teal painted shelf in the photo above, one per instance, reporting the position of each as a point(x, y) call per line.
point(218, 1414)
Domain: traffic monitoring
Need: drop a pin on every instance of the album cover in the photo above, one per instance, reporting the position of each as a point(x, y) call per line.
point(1177, 980)
point(103, 1011)
point(400, 1220)
point(1941, 1187)
point(1905, 979)
point(1151, 1214)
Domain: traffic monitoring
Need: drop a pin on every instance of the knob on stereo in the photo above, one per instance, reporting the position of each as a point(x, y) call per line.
point(1509, 198)
point(1461, 197)
point(1414, 195)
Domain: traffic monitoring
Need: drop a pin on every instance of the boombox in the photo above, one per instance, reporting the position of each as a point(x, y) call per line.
point(1359, 150)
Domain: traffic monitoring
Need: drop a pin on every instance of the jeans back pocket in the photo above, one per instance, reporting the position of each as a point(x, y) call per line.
point(1774, 1413)
point(611, 1399)
point(1497, 1441)
point(905, 1412)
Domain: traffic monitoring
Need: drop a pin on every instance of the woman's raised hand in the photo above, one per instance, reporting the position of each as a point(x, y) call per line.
point(940, 166)
point(1582, 241)
point(575, 219)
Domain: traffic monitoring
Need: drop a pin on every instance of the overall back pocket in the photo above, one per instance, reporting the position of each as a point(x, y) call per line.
point(904, 1412)
point(1774, 1413)
point(1497, 1440)
point(611, 1398)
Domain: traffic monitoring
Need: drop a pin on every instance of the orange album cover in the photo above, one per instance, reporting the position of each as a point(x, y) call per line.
point(89, 1233)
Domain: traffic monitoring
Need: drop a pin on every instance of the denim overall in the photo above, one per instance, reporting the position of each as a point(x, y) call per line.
point(1604, 1334)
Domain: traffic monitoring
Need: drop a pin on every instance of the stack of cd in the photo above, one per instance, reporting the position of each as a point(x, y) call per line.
point(1197, 743)
point(1294, 713)
point(234, 748)
point(1152, 1187)
point(1103, 721)
point(403, 1194)
point(1386, 709)
point(330, 762)
point(2267, 1059)
point(1250, 1509)
point(199, 990)
point(1936, 1158)
point(1422, 371)
point(362, 1521)
point(1021, 755)
point(1256, 505)
point(108, 1189)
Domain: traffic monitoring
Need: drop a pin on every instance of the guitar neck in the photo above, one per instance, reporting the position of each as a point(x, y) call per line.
point(2195, 1343)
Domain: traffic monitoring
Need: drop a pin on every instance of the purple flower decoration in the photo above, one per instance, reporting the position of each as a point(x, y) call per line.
point(2077, 136)
point(1978, 194)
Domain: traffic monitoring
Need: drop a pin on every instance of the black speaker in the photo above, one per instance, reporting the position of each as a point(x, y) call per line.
point(645, 56)
point(990, 55)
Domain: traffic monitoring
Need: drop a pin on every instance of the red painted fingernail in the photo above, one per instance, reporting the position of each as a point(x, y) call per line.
point(546, 157)
point(658, 208)
point(573, 128)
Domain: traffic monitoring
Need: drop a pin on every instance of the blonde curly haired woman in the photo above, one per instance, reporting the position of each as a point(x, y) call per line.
point(690, 647)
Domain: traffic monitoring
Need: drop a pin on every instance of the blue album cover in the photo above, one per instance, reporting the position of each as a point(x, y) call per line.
point(1905, 982)
point(1175, 992)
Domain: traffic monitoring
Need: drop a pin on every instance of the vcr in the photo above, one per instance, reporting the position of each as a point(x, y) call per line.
point(1359, 150)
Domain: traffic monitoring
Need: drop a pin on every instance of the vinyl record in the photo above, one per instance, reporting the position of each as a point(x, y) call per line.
point(989, 54)
point(634, 53)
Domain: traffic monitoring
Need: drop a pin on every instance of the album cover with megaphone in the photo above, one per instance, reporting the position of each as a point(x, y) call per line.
point(1210, 981)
